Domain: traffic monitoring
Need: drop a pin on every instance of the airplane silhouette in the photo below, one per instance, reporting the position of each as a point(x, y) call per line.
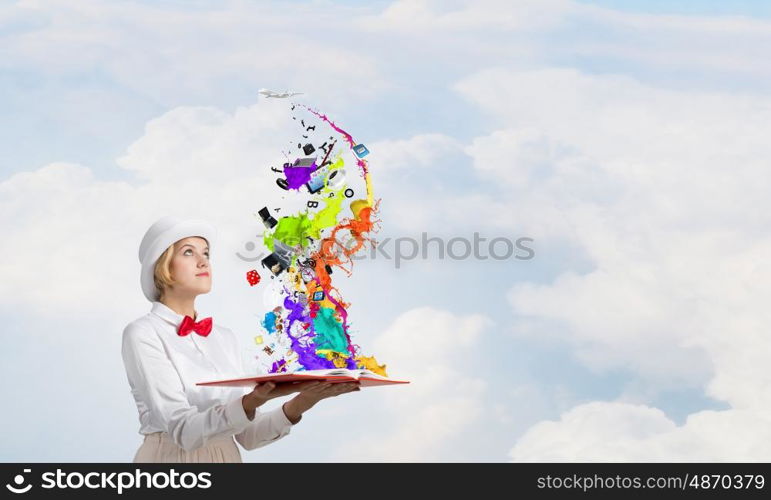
point(280, 95)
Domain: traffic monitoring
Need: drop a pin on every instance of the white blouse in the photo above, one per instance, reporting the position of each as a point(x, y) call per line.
point(163, 368)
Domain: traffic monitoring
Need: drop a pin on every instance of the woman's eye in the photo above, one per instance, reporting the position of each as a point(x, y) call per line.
point(189, 250)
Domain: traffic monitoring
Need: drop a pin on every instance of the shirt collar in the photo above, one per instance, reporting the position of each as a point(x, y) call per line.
point(168, 314)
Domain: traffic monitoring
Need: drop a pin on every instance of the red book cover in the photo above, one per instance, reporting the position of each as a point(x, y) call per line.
point(365, 377)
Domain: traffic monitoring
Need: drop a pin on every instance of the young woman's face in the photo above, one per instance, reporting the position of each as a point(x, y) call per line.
point(190, 267)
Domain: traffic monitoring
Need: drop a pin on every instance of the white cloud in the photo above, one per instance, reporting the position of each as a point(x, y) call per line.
point(420, 150)
point(63, 238)
point(437, 15)
point(620, 432)
point(431, 415)
point(513, 156)
point(208, 144)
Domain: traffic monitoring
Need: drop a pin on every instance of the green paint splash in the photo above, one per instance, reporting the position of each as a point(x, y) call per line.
point(293, 230)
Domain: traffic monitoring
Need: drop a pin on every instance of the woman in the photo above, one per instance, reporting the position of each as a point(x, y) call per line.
point(170, 349)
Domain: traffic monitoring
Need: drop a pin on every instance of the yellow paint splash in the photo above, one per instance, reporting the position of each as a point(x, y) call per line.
point(371, 364)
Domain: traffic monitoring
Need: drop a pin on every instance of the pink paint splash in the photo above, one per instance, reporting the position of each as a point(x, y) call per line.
point(360, 162)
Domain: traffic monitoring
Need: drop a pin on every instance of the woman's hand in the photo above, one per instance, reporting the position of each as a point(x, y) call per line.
point(269, 390)
point(312, 394)
point(315, 393)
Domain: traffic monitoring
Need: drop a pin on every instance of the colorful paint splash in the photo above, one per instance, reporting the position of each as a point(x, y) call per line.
point(309, 327)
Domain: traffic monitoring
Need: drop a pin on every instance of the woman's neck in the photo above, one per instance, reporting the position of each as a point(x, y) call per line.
point(183, 306)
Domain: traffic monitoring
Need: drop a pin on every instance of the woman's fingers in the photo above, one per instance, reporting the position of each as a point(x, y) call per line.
point(328, 389)
point(321, 386)
point(341, 388)
point(264, 388)
point(348, 385)
point(317, 389)
point(312, 385)
point(298, 387)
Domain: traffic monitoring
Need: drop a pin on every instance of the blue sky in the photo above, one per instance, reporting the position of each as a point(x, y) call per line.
point(750, 8)
point(624, 137)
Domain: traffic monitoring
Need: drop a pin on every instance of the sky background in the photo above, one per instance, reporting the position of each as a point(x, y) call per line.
point(627, 138)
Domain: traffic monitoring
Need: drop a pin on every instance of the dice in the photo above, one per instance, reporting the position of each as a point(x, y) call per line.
point(253, 277)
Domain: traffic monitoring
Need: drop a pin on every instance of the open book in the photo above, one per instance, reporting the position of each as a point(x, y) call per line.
point(366, 378)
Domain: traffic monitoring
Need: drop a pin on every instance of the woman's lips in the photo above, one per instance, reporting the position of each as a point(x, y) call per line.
point(203, 274)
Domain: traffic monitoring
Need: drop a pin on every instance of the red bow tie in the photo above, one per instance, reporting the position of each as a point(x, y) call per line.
point(188, 325)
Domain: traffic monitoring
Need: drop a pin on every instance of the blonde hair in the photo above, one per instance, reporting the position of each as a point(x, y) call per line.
point(162, 272)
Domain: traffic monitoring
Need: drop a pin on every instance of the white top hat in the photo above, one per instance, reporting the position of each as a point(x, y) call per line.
point(162, 234)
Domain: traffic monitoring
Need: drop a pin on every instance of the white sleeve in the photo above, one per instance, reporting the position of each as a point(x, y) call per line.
point(152, 374)
point(268, 426)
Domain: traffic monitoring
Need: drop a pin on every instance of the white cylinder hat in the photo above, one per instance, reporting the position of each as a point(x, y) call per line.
point(162, 234)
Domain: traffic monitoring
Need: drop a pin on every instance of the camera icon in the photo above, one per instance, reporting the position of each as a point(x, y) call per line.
point(18, 480)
